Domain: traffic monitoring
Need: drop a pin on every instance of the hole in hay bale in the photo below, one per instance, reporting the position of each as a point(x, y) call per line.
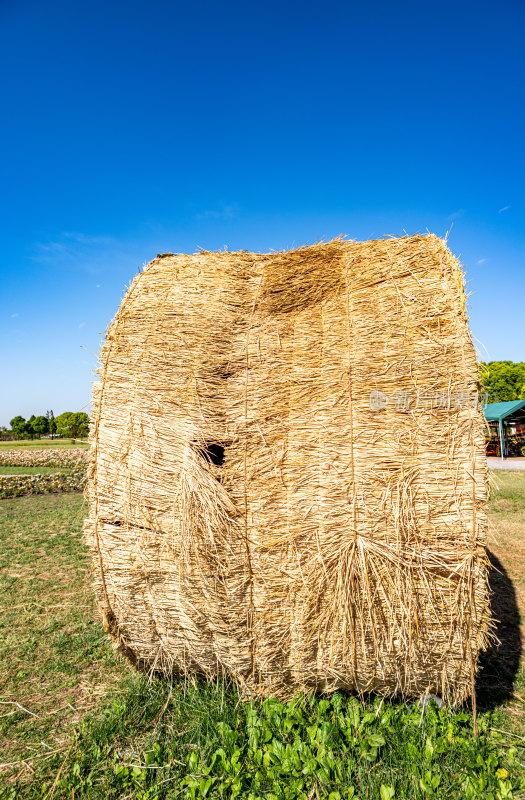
point(224, 370)
point(117, 523)
point(212, 452)
point(224, 373)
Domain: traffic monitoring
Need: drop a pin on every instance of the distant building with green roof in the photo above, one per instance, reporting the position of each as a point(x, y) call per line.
point(506, 419)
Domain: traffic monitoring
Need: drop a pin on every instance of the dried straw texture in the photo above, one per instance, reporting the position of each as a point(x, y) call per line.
point(335, 546)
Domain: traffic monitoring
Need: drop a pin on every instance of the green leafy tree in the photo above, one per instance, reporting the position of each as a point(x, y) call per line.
point(29, 426)
point(73, 424)
point(51, 422)
point(19, 426)
point(79, 424)
point(62, 423)
point(503, 380)
point(40, 425)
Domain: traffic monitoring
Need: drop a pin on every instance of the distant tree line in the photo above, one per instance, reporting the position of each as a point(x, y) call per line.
point(500, 381)
point(503, 380)
point(71, 423)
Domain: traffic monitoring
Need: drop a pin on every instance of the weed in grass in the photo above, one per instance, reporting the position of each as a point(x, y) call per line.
point(196, 740)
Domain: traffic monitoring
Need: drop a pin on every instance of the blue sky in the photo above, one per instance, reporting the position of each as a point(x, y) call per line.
point(131, 129)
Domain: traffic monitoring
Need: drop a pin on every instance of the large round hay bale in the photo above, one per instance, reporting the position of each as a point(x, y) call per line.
point(288, 476)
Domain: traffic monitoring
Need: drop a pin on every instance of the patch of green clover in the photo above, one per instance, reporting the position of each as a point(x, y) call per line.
point(196, 745)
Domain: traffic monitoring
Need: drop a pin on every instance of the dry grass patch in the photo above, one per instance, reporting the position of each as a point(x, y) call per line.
point(501, 683)
point(507, 526)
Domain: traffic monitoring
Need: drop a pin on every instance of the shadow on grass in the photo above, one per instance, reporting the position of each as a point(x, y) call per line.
point(498, 666)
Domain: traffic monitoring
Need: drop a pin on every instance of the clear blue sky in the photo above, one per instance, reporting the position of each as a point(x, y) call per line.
point(134, 128)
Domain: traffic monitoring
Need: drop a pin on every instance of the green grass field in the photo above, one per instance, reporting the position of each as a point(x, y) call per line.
point(76, 721)
point(7, 470)
point(33, 444)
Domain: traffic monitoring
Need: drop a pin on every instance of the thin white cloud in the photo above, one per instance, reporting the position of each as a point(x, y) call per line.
point(81, 324)
point(482, 260)
point(84, 238)
point(71, 245)
point(14, 315)
point(80, 251)
point(49, 249)
point(501, 210)
point(456, 214)
point(97, 286)
point(226, 212)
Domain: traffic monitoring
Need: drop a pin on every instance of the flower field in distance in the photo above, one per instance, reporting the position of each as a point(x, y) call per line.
point(19, 485)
